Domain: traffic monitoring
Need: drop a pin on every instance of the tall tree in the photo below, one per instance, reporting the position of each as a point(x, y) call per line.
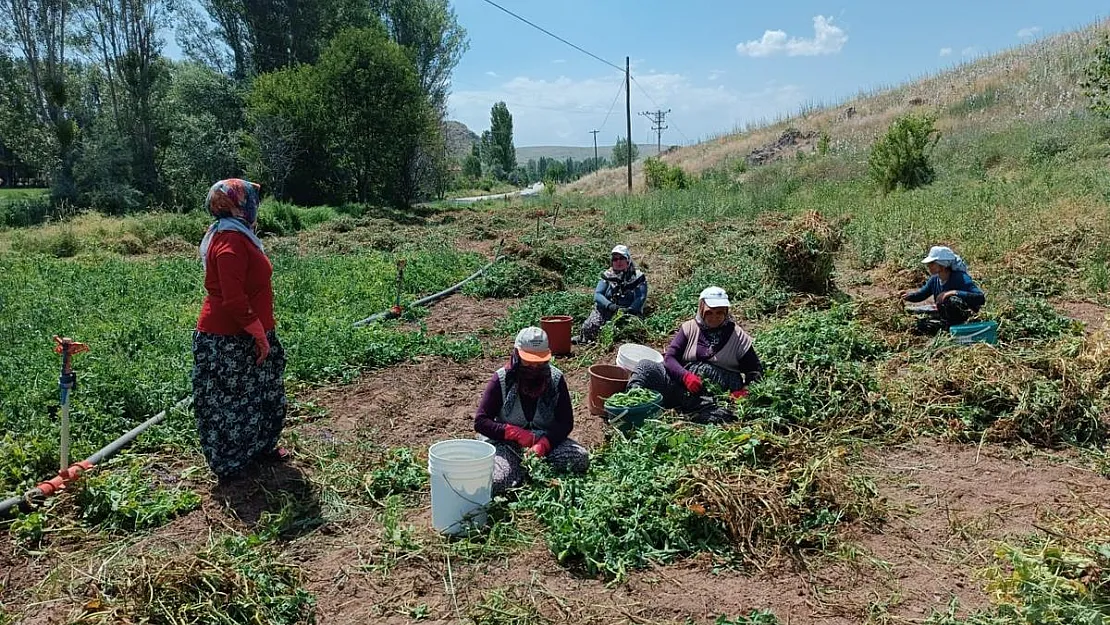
point(40, 30)
point(620, 152)
point(501, 137)
point(123, 36)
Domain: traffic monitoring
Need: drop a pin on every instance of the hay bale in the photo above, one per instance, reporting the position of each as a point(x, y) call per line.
point(802, 258)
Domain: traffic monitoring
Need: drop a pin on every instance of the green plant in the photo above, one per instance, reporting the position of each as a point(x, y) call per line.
point(1032, 318)
point(900, 158)
point(508, 279)
point(1096, 78)
point(755, 617)
point(529, 311)
point(129, 499)
point(398, 473)
point(660, 175)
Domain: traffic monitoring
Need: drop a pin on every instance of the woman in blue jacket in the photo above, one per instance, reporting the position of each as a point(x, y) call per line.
point(955, 294)
point(622, 287)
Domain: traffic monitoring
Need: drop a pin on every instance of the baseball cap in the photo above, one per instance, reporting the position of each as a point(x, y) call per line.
point(939, 253)
point(531, 344)
point(714, 297)
point(622, 250)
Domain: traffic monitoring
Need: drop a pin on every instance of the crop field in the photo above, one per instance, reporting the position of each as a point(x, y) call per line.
point(872, 476)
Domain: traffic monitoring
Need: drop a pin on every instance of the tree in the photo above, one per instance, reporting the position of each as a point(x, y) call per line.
point(472, 167)
point(501, 136)
point(1096, 78)
point(620, 152)
point(361, 75)
point(40, 30)
point(556, 171)
point(900, 158)
point(122, 36)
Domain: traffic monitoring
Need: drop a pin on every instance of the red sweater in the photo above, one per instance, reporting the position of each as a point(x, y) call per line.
point(238, 285)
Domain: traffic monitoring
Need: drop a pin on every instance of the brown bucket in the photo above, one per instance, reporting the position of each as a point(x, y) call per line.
point(604, 381)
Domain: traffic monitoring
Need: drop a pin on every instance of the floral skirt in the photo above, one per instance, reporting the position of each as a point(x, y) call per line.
point(239, 406)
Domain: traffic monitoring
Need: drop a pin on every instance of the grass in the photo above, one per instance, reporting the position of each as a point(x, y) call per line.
point(138, 317)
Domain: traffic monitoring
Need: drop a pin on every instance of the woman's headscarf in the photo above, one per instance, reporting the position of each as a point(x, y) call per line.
point(234, 203)
point(945, 257)
point(623, 281)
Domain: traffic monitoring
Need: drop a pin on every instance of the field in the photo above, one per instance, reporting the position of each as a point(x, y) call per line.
point(873, 476)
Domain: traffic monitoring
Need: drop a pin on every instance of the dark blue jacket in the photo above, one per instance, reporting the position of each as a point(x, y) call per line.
point(959, 282)
point(625, 291)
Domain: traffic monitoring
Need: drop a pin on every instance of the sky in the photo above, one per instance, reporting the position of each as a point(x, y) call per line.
point(717, 65)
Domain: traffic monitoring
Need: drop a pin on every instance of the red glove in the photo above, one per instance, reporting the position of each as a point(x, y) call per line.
point(692, 382)
point(261, 343)
point(542, 447)
point(740, 394)
point(519, 435)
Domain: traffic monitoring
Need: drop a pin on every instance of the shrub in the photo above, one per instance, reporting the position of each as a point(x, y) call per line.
point(659, 175)
point(279, 218)
point(900, 158)
point(1096, 78)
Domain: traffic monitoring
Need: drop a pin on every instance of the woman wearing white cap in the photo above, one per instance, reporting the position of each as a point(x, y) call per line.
point(955, 294)
point(709, 347)
point(622, 287)
point(526, 409)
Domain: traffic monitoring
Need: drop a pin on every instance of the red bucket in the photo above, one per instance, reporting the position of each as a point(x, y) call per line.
point(558, 329)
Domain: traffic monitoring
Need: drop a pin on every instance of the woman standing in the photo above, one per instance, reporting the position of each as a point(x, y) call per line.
point(238, 362)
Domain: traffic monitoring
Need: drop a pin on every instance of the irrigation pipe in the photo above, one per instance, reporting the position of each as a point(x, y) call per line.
point(73, 472)
point(394, 312)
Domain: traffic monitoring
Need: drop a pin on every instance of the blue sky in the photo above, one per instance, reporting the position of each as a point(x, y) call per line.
point(717, 64)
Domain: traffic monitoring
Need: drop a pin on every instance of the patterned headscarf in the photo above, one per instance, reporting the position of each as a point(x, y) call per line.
point(234, 197)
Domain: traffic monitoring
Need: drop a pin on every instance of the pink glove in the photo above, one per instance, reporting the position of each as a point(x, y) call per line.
point(261, 343)
point(693, 382)
point(740, 394)
point(519, 435)
point(542, 447)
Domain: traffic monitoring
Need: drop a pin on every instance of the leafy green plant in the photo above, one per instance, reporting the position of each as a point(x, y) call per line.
point(130, 498)
point(508, 279)
point(900, 158)
point(398, 472)
point(529, 311)
point(1032, 318)
point(755, 617)
point(660, 175)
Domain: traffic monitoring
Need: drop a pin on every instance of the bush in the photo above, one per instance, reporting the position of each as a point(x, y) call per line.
point(659, 175)
point(1096, 78)
point(279, 218)
point(900, 158)
point(24, 212)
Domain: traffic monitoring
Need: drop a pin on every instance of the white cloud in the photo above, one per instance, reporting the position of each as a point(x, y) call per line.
point(970, 51)
point(563, 110)
point(491, 73)
point(714, 74)
point(1026, 33)
point(946, 51)
point(827, 39)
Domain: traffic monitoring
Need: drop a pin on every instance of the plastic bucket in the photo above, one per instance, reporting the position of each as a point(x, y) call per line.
point(557, 328)
point(462, 477)
point(628, 417)
point(604, 381)
point(981, 332)
point(630, 354)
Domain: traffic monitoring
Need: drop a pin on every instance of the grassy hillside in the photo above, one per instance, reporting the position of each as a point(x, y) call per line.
point(561, 152)
point(1035, 82)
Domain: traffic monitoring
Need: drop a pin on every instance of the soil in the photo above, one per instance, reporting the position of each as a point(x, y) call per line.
point(947, 506)
point(1092, 315)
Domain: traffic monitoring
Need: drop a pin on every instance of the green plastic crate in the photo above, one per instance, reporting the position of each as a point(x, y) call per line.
point(980, 332)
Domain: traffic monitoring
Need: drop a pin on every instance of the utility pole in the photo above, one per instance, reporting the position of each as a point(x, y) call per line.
point(628, 116)
point(657, 118)
point(594, 133)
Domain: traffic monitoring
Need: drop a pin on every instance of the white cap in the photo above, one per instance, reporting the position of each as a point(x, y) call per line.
point(622, 250)
point(531, 344)
point(714, 297)
point(939, 253)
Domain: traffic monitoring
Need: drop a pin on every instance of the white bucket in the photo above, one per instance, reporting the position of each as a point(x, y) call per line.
point(461, 476)
point(630, 354)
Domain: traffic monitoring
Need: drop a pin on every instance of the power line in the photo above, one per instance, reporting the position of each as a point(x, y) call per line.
point(644, 91)
point(620, 89)
point(658, 119)
point(551, 34)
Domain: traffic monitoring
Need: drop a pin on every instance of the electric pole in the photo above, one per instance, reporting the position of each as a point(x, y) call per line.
point(628, 116)
point(657, 118)
point(594, 133)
